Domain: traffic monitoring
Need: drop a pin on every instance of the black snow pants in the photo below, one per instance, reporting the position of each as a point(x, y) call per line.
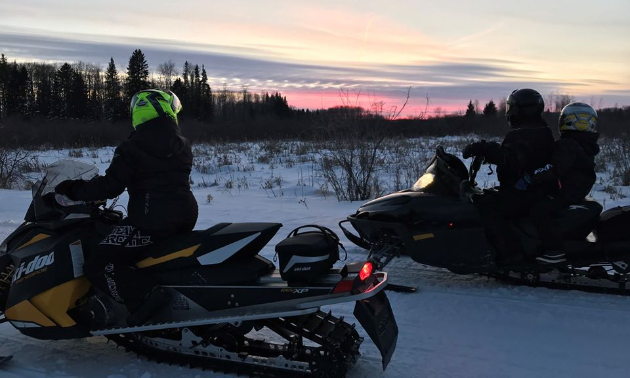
point(497, 210)
point(542, 215)
point(111, 267)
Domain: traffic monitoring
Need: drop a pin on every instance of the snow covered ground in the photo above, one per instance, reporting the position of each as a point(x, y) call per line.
point(454, 326)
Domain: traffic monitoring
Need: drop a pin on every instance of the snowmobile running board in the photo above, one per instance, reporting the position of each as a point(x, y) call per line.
point(266, 311)
point(595, 278)
point(235, 317)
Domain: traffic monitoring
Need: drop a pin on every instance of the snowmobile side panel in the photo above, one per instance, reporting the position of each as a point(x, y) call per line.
point(48, 263)
point(376, 316)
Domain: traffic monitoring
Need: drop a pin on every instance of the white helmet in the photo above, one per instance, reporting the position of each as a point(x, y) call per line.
point(578, 116)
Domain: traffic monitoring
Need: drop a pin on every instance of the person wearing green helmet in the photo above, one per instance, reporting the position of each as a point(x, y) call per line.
point(154, 166)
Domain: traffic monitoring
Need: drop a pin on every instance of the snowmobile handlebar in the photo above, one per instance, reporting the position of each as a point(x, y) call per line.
point(96, 209)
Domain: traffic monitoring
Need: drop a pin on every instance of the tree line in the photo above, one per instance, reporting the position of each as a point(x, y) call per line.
point(83, 91)
point(77, 104)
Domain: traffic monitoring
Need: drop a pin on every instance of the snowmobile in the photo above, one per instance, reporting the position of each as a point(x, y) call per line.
point(223, 292)
point(436, 223)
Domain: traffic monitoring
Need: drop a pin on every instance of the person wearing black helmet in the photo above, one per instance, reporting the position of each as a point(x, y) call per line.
point(525, 148)
point(154, 165)
point(571, 175)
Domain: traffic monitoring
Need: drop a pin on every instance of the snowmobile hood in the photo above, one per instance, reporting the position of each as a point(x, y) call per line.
point(388, 202)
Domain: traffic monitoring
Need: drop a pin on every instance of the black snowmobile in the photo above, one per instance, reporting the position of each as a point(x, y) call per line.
point(222, 290)
point(436, 223)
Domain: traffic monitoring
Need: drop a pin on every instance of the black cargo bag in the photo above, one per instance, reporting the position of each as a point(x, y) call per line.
point(306, 255)
point(614, 224)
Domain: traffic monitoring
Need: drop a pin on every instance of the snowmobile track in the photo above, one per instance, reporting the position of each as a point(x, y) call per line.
point(339, 349)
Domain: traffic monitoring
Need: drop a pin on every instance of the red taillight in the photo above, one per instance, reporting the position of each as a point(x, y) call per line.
point(366, 271)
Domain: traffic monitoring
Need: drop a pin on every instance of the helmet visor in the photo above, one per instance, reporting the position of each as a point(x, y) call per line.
point(176, 105)
point(133, 102)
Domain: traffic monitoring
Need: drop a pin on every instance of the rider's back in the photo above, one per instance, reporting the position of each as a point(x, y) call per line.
point(574, 162)
point(154, 164)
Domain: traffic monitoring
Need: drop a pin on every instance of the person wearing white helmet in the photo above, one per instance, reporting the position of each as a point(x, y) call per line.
point(568, 179)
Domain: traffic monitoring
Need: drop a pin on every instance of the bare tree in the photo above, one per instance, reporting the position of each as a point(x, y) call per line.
point(563, 100)
point(351, 161)
point(167, 71)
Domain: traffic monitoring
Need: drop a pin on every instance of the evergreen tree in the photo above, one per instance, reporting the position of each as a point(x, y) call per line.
point(44, 96)
point(77, 97)
point(137, 74)
point(112, 101)
point(62, 89)
point(4, 82)
point(206, 110)
point(17, 95)
point(185, 74)
point(195, 93)
point(470, 110)
point(490, 110)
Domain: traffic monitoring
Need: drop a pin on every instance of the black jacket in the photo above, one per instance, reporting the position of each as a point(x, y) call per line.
point(572, 166)
point(523, 151)
point(154, 164)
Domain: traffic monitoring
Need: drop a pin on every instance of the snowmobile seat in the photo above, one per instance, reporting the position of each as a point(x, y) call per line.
point(216, 246)
point(575, 222)
point(224, 254)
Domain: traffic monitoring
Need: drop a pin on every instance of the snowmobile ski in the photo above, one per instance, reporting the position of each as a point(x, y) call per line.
point(401, 288)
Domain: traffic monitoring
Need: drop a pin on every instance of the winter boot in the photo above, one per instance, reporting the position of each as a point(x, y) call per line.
point(153, 302)
point(552, 258)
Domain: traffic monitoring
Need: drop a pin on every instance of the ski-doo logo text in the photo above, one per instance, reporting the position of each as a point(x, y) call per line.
point(36, 266)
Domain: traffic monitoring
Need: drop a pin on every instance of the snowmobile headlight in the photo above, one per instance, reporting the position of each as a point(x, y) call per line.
point(424, 181)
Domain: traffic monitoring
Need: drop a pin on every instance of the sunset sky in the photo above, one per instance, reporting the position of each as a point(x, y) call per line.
point(452, 51)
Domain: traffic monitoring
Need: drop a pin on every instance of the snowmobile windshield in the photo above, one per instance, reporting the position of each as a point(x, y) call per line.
point(63, 170)
point(42, 210)
point(442, 176)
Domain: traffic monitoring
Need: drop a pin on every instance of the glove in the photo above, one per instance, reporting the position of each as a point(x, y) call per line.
point(524, 182)
point(65, 188)
point(473, 149)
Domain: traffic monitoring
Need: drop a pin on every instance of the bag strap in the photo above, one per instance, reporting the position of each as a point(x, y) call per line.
point(331, 237)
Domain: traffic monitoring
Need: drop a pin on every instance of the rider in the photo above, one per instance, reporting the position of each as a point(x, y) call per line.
point(154, 165)
point(572, 173)
point(527, 147)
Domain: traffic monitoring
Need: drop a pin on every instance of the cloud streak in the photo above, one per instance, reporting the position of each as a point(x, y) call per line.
point(449, 84)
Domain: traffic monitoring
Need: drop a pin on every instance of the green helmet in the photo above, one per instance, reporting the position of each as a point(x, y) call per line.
point(153, 103)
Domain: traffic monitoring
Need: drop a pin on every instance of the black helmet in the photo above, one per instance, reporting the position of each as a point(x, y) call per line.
point(524, 104)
